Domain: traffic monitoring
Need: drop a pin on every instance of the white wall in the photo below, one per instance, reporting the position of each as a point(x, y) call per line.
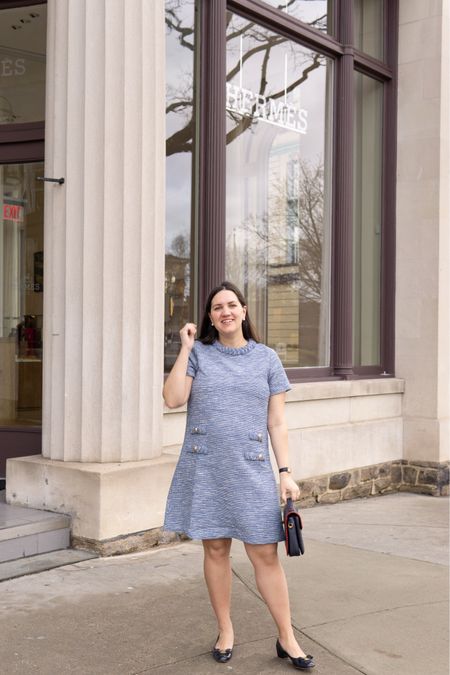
point(422, 286)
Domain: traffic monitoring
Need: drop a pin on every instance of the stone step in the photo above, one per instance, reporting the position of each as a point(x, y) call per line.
point(26, 532)
point(42, 562)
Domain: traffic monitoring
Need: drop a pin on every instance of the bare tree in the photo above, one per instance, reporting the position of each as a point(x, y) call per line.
point(180, 97)
point(180, 246)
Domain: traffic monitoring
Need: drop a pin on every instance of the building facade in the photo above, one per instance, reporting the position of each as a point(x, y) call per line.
point(150, 150)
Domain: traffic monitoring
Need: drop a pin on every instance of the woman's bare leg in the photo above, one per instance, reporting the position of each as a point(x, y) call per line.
point(217, 569)
point(271, 583)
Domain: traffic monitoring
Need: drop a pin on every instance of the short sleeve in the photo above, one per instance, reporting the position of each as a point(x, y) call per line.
point(278, 381)
point(192, 366)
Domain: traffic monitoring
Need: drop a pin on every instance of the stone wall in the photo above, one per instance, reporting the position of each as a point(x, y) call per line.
point(430, 478)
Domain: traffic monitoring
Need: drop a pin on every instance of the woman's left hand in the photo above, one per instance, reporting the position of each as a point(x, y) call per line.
point(288, 488)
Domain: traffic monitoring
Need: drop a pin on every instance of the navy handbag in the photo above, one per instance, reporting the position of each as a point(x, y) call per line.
point(293, 529)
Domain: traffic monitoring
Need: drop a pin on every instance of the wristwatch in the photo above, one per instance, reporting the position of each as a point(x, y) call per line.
point(285, 469)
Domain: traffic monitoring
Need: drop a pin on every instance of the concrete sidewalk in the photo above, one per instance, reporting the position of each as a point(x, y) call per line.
point(369, 596)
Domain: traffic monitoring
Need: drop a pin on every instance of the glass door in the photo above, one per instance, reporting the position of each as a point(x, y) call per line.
point(21, 294)
point(21, 309)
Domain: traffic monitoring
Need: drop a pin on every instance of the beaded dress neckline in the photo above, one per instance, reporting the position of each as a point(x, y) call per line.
point(234, 351)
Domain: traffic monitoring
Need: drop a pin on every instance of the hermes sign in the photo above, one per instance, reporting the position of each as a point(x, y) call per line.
point(270, 110)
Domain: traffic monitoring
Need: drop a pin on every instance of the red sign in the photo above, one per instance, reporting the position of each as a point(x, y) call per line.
point(13, 212)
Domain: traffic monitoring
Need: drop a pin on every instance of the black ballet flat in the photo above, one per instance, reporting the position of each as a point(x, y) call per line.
point(298, 662)
point(222, 656)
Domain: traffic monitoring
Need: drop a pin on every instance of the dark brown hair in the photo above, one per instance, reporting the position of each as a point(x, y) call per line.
point(209, 333)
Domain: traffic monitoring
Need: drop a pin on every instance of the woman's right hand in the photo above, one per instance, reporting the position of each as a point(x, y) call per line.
point(187, 334)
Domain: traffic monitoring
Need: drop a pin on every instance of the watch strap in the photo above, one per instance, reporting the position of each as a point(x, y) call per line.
point(284, 469)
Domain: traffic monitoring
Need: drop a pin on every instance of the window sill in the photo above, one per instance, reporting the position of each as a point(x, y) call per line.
point(311, 391)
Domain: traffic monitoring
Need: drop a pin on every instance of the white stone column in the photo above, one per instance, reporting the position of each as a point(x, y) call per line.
point(423, 255)
point(104, 267)
point(104, 231)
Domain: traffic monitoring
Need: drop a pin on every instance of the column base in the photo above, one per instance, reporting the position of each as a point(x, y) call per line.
point(106, 502)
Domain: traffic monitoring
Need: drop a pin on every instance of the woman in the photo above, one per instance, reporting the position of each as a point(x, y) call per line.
point(223, 486)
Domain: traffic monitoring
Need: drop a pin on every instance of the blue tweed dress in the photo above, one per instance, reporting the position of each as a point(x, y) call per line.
point(223, 485)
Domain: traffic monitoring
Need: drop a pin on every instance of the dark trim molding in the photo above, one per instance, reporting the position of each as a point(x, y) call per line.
point(11, 4)
point(286, 25)
point(342, 312)
point(372, 67)
point(212, 178)
point(388, 238)
point(18, 442)
point(315, 374)
point(370, 371)
point(21, 133)
point(23, 430)
point(13, 153)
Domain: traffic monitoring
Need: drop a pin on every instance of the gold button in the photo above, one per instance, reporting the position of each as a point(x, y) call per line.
point(260, 456)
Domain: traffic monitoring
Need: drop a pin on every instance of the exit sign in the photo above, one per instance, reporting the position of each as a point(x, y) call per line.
point(13, 212)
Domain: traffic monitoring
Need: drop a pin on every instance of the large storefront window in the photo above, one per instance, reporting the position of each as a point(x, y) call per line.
point(278, 191)
point(21, 294)
point(281, 178)
point(180, 121)
point(22, 64)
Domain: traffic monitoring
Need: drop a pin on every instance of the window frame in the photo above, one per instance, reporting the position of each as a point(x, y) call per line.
point(212, 166)
point(22, 142)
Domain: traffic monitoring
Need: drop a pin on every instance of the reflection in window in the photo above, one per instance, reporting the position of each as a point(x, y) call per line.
point(368, 26)
point(316, 13)
point(277, 200)
point(21, 293)
point(22, 64)
point(367, 220)
point(179, 159)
